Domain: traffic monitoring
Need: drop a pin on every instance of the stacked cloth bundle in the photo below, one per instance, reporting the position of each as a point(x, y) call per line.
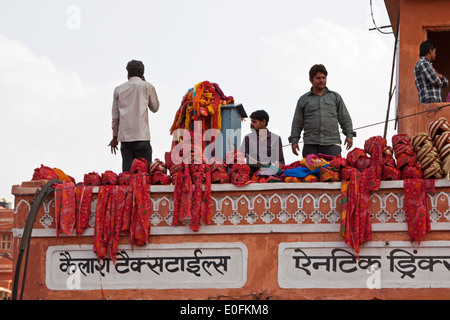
point(47, 173)
point(123, 206)
point(440, 133)
point(158, 173)
point(312, 168)
point(406, 159)
point(427, 155)
point(239, 170)
point(201, 103)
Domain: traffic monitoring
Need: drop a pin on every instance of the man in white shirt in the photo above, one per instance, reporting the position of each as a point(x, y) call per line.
point(130, 116)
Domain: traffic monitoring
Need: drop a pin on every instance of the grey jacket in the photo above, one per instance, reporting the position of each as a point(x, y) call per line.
point(319, 117)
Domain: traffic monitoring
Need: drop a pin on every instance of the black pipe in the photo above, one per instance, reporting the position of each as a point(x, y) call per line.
point(26, 237)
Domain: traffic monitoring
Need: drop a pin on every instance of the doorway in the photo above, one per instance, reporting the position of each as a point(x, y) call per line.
point(441, 40)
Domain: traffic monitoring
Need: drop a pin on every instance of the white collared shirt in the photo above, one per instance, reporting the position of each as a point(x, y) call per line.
point(129, 110)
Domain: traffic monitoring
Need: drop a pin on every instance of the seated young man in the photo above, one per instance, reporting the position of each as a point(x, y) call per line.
point(261, 147)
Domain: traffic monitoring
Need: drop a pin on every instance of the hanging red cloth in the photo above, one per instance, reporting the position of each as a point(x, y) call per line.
point(65, 207)
point(83, 202)
point(141, 209)
point(356, 226)
point(111, 203)
point(416, 207)
point(102, 221)
point(118, 201)
point(186, 197)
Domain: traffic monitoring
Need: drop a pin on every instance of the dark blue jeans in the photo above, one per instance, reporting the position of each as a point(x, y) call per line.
point(332, 150)
point(133, 150)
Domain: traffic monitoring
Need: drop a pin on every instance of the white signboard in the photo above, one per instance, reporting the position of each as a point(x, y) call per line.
point(155, 266)
point(395, 264)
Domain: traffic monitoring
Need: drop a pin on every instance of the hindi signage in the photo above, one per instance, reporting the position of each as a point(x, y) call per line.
point(155, 266)
point(395, 264)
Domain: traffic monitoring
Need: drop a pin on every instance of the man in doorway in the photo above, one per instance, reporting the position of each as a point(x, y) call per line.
point(130, 116)
point(429, 82)
point(319, 113)
point(261, 147)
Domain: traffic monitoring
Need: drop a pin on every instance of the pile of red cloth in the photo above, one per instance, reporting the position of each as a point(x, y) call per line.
point(201, 103)
point(47, 173)
point(219, 173)
point(158, 172)
point(406, 158)
point(123, 206)
point(239, 170)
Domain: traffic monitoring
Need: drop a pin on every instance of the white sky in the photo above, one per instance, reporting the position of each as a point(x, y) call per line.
point(60, 61)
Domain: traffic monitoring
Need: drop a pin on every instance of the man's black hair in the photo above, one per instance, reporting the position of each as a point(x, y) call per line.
point(425, 47)
point(135, 68)
point(316, 69)
point(260, 115)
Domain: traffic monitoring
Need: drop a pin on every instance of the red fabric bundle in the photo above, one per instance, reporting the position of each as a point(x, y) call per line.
point(401, 138)
point(338, 163)
point(83, 201)
point(405, 160)
point(400, 149)
point(390, 173)
point(412, 172)
point(160, 178)
point(92, 179)
point(375, 146)
point(139, 165)
point(388, 157)
point(240, 174)
point(158, 173)
point(124, 178)
point(354, 155)
point(346, 173)
point(293, 165)
point(109, 177)
point(65, 207)
point(44, 173)
point(219, 173)
point(362, 163)
point(157, 166)
point(416, 207)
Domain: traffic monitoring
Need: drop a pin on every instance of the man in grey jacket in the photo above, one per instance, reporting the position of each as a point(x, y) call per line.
point(319, 113)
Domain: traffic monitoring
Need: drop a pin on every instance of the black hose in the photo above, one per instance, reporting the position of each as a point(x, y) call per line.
point(26, 237)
